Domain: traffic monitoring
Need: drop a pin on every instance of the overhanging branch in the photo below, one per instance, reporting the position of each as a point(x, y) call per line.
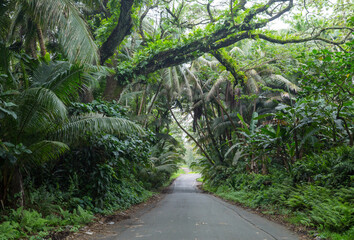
point(119, 32)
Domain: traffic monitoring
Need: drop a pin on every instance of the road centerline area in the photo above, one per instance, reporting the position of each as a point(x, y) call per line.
point(188, 214)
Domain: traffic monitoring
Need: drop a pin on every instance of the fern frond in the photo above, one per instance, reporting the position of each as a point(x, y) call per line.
point(251, 84)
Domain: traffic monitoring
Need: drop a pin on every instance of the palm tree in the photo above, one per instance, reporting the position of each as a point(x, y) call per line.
point(165, 155)
point(42, 124)
point(31, 20)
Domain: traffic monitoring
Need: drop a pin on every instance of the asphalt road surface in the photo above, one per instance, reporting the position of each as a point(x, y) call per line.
point(187, 214)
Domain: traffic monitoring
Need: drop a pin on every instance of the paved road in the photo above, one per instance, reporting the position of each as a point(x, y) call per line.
point(187, 214)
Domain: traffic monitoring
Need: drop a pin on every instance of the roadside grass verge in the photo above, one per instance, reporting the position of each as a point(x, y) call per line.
point(176, 175)
point(326, 213)
point(49, 215)
point(30, 224)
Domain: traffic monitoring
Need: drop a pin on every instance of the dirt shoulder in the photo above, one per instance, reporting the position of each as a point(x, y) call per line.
point(103, 225)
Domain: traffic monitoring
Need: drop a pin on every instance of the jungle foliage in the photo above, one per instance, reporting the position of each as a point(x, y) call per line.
point(98, 97)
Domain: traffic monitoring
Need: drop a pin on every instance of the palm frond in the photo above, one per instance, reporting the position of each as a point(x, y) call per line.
point(202, 61)
point(175, 77)
point(63, 79)
point(280, 82)
point(220, 129)
point(236, 50)
point(167, 167)
point(63, 16)
point(196, 80)
point(39, 109)
point(251, 85)
point(222, 78)
point(44, 151)
point(186, 83)
point(74, 129)
point(253, 73)
point(166, 137)
point(238, 155)
point(129, 95)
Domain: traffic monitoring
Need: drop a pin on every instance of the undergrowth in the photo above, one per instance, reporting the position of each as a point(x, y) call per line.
point(22, 223)
point(320, 198)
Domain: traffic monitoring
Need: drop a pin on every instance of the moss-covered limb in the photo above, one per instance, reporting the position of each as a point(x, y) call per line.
point(176, 55)
point(229, 64)
point(193, 49)
point(221, 30)
point(314, 37)
point(222, 33)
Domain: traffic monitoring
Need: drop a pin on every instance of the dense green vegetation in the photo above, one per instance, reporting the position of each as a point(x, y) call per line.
point(99, 97)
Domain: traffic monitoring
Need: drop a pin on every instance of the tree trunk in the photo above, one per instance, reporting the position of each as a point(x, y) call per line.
point(142, 101)
point(16, 189)
point(119, 32)
point(30, 48)
point(152, 103)
point(86, 95)
point(264, 166)
point(113, 90)
point(297, 152)
point(41, 40)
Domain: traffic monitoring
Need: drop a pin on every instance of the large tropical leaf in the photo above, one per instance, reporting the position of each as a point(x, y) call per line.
point(213, 91)
point(64, 79)
point(278, 81)
point(39, 110)
point(63, 16)
point(44, 151)
point(75, 129)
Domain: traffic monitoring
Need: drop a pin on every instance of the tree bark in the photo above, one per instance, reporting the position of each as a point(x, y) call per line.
point(112, 90)
point(119, 32)
point(17, 189)
point(142, 101)
point(41, 40)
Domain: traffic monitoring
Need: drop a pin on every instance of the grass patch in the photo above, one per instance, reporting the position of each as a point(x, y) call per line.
point(329, 211)
point(201, 179)
point(177, 174)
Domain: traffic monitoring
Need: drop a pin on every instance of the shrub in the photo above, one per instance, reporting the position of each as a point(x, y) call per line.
point(332, 168)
